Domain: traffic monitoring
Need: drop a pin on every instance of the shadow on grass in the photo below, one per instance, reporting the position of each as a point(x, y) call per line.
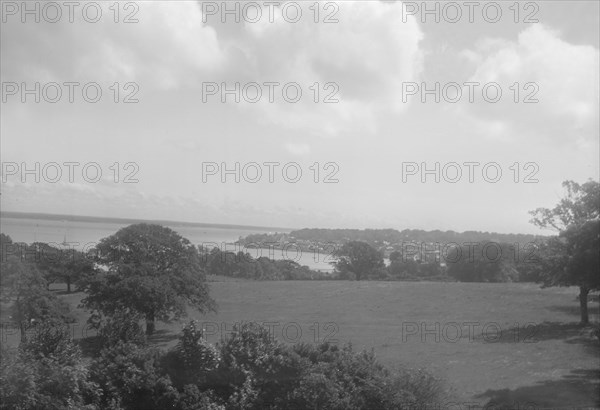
point(579, 389)
point(573, 333)
point(573, 310)
point(162, 336)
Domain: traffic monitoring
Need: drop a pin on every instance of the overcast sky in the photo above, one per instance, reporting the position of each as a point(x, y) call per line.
point(366, 61)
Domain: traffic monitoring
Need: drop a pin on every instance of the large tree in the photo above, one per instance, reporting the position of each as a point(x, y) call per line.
point(574, 255)
point(149, 269)
point(359, 260)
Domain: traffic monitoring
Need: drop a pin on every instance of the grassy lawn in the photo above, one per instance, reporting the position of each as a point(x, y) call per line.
point(507, 344)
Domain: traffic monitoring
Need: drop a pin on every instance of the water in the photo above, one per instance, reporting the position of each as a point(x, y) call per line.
point(84, 235)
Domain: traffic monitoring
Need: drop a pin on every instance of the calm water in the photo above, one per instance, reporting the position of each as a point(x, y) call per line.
point(82, 235)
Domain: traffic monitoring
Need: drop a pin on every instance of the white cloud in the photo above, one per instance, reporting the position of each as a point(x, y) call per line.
point(566, 76)
point(298, 149)
point(368, 54)
point(168, 47)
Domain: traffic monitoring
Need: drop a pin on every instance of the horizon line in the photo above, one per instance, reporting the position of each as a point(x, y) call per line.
point(100, 219)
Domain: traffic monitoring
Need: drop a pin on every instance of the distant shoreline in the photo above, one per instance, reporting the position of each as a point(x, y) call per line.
point(102, 219)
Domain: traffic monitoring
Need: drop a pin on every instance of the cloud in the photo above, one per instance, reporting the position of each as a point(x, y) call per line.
point(298, 149)
point(366, 56)
point(168, 47)
point(565, 78)
point(358, 63)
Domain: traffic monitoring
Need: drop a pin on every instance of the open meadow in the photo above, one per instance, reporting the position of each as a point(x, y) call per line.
point(479, 338)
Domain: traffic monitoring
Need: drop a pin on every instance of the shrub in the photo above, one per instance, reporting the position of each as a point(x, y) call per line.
point(46, 372)
point(123, 326)
point(130, 378)
point(256, 371)
point(191, 398)
point(415, 389)
point(338, 378)
point(191, 361)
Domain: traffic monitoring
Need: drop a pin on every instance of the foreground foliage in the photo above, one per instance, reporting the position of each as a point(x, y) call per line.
point(248, 370)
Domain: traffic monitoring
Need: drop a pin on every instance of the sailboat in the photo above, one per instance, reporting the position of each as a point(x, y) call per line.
point(64, 242)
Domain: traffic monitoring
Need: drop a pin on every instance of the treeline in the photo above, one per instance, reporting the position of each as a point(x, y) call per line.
point(243, 265)
point(54, 264)
point(475, 262)
point(479, 262)
point(69, 266)
point(385, 240)
point(493, 262)
point(378, 236)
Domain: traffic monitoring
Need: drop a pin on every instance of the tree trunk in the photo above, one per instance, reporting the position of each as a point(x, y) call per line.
point(583, 307)
point(150, 325)
point(23, 332)
point(21, 323)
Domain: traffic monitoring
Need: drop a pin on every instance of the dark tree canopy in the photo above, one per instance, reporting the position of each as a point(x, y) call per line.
point(572, 258)
point(24, 289)
point(358, 260)
point(243, 265)
point(484, 262)
point(60, 265)
point(149, 269)
point(583, 247)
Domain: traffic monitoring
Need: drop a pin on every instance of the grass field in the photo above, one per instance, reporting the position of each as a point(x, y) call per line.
point(480, 338)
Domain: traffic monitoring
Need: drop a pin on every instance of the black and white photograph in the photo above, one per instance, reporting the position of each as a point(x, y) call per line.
point(289, 205)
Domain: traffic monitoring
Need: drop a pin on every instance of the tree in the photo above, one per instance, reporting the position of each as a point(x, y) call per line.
point(583, 248)
point(149, 269)
point(358, 260)
point(402, 267)
point(482, 262)
point(576, 218)
point(6, 244)
point(24, 286)
point(66, 265)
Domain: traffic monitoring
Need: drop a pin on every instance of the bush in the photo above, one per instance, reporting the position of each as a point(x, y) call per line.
point(415, 389)
point(123, 326)
point(248, 370)
point(339, 378)
point(51, 338)
point(191, 361)
point(46, 372)
point(130, 378)
point(255, 371)
point(193, 399)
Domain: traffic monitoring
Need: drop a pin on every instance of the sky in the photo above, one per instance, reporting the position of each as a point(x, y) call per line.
point(333, 126)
